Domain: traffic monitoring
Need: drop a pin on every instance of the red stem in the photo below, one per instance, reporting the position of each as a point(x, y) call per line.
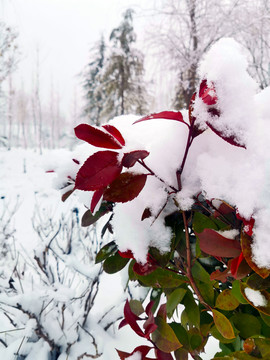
point(189, 273)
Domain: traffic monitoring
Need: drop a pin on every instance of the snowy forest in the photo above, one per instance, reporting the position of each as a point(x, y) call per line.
point(87, 250)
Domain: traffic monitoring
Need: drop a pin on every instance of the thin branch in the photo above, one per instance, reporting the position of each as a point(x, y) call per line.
point(189, 273)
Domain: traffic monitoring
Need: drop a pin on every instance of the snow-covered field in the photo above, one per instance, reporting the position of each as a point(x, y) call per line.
point(27, 198)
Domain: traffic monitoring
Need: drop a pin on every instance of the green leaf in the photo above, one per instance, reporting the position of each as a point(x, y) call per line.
point(207, 292)
point(199, 272)
point(181, 333)
point(226, 300)
point(164, 336)
point(174, 299)
point(201, 222)
point(184, 319)
point(136, 307)
point(217, 335)
point(192, 310)
point(162, 278)
point(114, 263)
point(263, 346)
point(131, 274)
point(247, 324)
point(195, 341)
point(256, 282)
point(161, 259)
point(181, 354)
point(89, 219)
point(238, 355)
point(266, 318)
point(236, 291)
point(155, 296)
point(107, 250)
point(223, 325)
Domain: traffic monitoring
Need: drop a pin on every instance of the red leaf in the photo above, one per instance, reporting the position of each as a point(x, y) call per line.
point(132, 319)
point(96, 137)
point(162, 312)
point(239, 267)
point(148, 309)
point(76, 161)
point(129, 159)
point(208, 93)
point(168, 115)
point(98, 171)
point(220, 275)
point(144, 269)
point(235, 263)
point(126, 254)
point(122, 354)
point(212, 243)
point(146, 214)
point(66, 195)
point(123, 323)
point(230, 139)
point(95, 199)
point(126, 187)
point(143, 349)
point(195, 129)
point(248, 224)
point(162, 355)
point(115, 132)
point(223, 209)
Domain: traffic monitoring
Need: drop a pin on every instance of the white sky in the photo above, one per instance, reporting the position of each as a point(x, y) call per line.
point(63, 31)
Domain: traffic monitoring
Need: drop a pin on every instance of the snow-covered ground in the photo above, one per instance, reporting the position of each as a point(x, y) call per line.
point(26, 188)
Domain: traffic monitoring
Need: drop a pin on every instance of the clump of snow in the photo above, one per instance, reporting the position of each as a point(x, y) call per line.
point(255, 297)
point(229, 234)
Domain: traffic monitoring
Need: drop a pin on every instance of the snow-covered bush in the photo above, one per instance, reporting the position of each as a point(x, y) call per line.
point(186, 195)
point(47, 299)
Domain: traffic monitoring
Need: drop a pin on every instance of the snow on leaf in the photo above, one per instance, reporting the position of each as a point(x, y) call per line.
point(246, 244)
point(208, 93)
point(126, 187)
point(129, 159)
point(115, 132)
point(96, 137)
point(98, 171)
point(230, 139)
point(168, 115)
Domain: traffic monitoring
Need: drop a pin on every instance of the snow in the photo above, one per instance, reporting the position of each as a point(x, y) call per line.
point(255, 297)
point(239, 176)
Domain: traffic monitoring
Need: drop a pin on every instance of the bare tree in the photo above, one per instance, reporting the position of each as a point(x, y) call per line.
point(187, 28)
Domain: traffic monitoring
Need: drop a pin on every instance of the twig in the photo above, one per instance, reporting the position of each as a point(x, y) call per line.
point(189, 273)
point(152, 173)
point(17, 353)
point(94, 344)
point(181, 168)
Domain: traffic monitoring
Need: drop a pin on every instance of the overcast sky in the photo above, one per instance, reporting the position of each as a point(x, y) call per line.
point(63, 31)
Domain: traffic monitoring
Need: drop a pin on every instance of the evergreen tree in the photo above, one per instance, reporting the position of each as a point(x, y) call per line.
point(123, 74)
point(94, 90)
